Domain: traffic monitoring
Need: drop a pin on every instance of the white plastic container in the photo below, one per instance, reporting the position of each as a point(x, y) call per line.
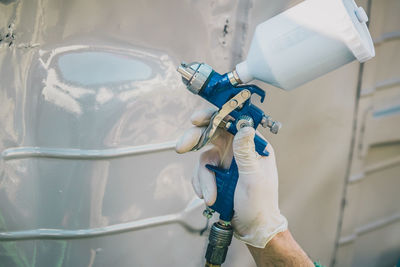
point(307, 41)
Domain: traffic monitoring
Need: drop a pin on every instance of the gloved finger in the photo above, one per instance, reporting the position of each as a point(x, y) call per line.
point(202, 117)
point(244, 150)
point(206, 178)
point(196, 182)
point(189, 139)
point(270, 149)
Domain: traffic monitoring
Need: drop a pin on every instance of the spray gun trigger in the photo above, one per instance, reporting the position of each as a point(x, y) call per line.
point(218, 118)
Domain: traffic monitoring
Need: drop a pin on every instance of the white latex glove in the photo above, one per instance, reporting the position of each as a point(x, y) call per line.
point(257, 218)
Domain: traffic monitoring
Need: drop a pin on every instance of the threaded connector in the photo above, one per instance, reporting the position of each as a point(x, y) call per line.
point(218, 242)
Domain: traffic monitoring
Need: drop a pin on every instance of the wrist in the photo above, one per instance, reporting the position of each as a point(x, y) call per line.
point(282, 250)
point(260, 232)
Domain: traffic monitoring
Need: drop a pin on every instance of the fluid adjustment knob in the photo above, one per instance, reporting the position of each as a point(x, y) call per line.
point(274, 126)
point(244, 121)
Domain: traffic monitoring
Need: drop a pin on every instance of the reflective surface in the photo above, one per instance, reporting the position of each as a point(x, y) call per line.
point(91, 107)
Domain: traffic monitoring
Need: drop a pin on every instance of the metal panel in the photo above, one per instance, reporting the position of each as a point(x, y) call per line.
point(91, 108)
point(380, 248)
point(369, 232)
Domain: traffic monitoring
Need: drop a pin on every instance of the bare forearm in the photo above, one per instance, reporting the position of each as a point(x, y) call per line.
point(282, 250)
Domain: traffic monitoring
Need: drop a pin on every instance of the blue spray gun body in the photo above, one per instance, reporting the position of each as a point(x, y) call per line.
point(234, 100)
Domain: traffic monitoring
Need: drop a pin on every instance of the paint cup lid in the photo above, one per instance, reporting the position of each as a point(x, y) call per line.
point(355, 32)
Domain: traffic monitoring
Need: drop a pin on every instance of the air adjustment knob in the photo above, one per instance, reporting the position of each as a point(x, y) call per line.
point(244, 121)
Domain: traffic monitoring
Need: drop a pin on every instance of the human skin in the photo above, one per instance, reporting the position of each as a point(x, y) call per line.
point(281, 250)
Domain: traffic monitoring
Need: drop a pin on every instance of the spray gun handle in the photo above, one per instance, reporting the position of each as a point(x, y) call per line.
point(226, 180)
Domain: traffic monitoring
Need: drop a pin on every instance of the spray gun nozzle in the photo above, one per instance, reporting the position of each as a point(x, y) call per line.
point(187, 73)
point(194, 75)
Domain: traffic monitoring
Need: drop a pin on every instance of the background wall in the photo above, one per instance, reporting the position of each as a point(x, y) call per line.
point(91, 106)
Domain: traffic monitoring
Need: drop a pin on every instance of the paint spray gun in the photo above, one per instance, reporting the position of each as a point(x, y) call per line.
point(235, 111)
point(288, 50)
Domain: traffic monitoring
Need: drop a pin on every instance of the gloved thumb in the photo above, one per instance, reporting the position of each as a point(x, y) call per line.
point(244, 150)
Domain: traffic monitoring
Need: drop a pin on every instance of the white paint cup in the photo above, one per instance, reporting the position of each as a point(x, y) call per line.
point(307, 41)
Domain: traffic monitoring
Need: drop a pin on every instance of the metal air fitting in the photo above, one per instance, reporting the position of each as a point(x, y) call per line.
point(234, 78)
point(218, 242)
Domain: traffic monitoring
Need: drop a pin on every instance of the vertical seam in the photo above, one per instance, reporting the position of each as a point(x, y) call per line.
point(351, 152)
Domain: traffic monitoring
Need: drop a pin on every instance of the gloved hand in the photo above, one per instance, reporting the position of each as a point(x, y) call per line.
point(257, 218)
